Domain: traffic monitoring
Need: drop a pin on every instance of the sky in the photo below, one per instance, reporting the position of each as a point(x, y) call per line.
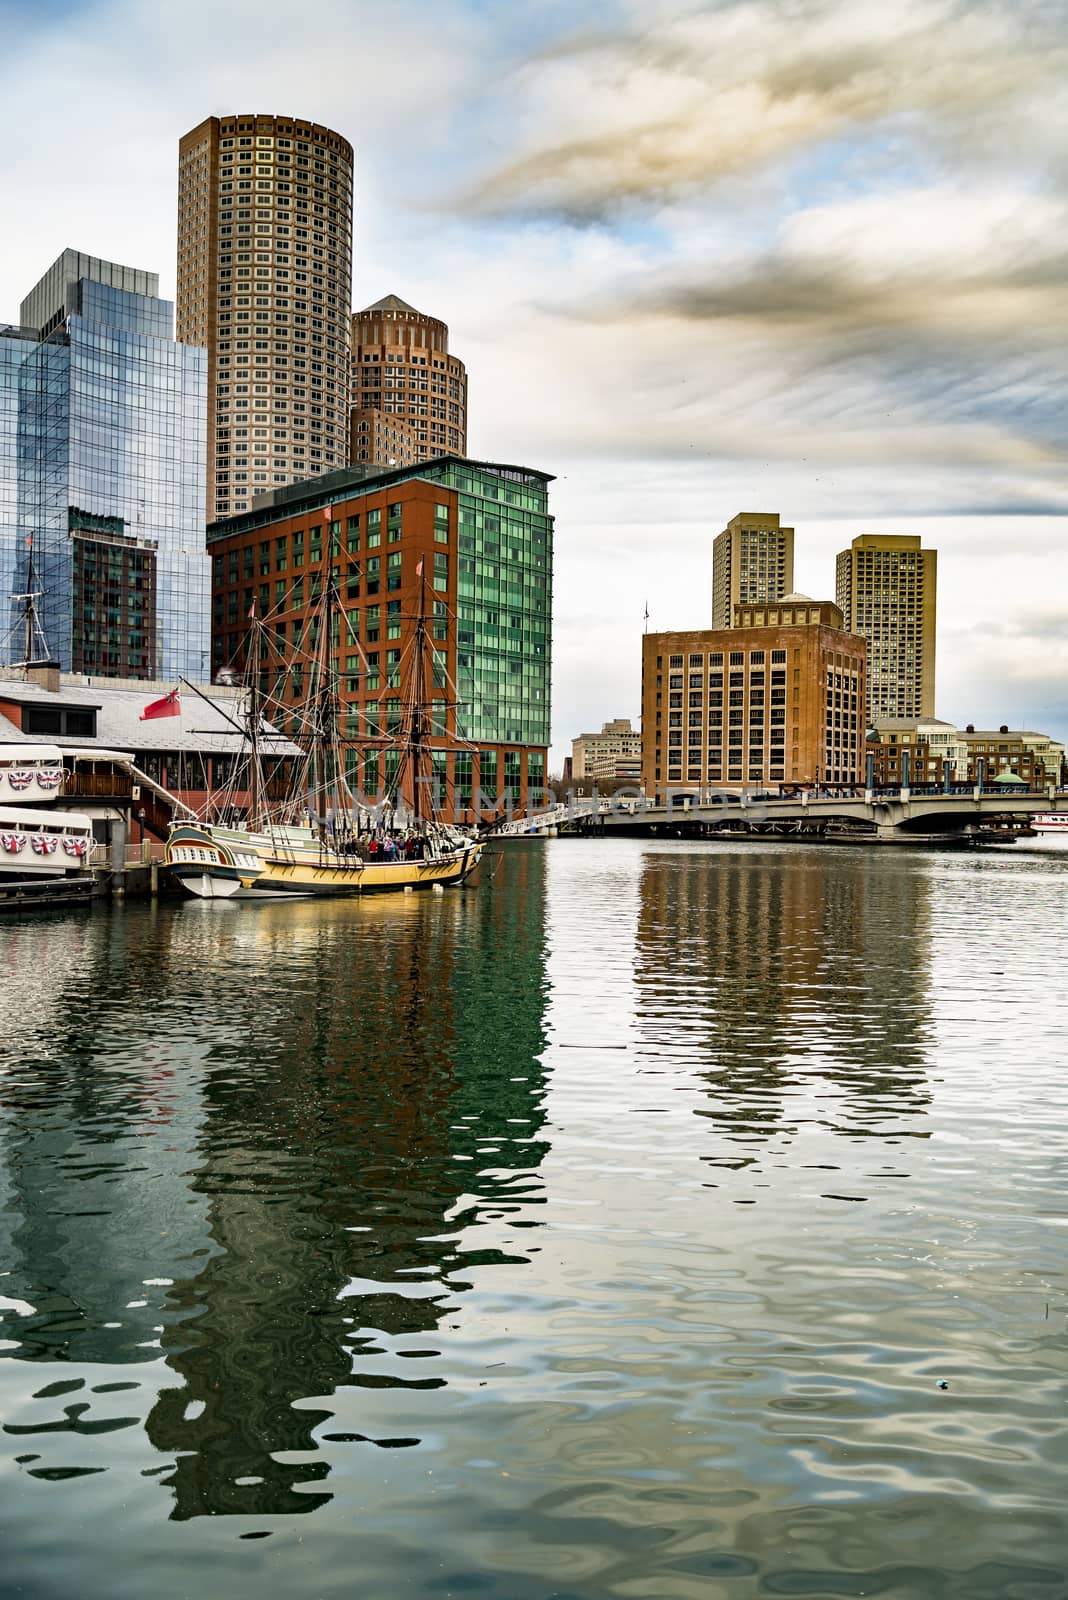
point(802, 256)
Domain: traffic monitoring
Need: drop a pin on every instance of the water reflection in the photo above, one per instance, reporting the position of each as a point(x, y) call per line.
point(774, 975)
point(306, 1176)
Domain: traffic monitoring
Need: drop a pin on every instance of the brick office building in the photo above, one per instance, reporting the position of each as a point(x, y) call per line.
point(776, 701)
point(481, 534)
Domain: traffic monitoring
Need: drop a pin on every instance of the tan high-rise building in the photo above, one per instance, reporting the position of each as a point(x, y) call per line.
point(405, 384)
point(887, 588)
point(752, 560)
point(264, 281)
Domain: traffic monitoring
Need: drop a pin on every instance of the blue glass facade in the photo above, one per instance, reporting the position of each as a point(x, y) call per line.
point(103, 429)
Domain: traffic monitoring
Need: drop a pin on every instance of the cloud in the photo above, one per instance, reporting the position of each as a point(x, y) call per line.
point(650, 114)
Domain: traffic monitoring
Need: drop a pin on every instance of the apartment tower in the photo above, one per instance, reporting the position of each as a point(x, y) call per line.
point(887, 590)
point(264, 275)
point(752, 561)
point(409, 395)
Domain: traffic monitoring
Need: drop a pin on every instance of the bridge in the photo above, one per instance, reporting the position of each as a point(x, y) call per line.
point(904, 816)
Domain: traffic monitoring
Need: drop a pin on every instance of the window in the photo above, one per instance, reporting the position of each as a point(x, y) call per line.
point(79, 723)
point(441, 570)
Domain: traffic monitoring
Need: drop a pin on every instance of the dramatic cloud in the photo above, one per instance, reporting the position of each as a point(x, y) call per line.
point(683, 99)
point(699, 255)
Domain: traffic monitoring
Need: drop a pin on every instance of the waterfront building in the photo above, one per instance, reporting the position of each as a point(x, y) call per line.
point(198, 755)
point(264, 275)
point(615, 752)
point(409, 395)
point(1035, 758)
point(752, 560)
point(775, 701)
point(927, 742)
point(468, 544)
point(102, 440)
point(887, 591)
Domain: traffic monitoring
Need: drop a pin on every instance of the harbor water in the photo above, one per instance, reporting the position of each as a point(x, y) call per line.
point(674, 1220)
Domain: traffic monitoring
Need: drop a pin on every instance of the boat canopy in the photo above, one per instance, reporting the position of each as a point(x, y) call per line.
point(20, 754)
point(93, 754)
point(15, 818)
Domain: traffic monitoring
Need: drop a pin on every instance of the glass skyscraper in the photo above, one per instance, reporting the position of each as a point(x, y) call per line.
point(103, 422)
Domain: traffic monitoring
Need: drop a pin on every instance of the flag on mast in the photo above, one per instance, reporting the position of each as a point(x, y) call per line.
point(169, 706)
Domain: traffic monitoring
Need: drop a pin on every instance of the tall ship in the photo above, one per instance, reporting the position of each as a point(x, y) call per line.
point(322, 836)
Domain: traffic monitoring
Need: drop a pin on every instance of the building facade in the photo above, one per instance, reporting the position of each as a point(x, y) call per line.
point(264, 276)
point(752, 561)
point(409, 395)
point(776, 701)
point(102, 460)
point(466, 545)
point(887, 588)
point(931, 746)
point(615, 752)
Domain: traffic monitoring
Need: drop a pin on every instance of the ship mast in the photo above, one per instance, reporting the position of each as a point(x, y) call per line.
point(324, 723)
point(255, 780)
point(31, 617)
point(420, 723)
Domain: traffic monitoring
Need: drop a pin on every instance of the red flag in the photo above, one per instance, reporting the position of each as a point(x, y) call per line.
point(252, 611)
point(328, 514)
point(169, 706)
point(419, 568)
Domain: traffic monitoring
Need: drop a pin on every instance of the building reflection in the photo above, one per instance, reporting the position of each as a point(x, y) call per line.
point(336, 1146)
point(773, 975)
point(304, 1117)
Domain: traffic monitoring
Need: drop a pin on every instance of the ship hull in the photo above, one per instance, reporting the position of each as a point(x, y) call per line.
point(222, 864)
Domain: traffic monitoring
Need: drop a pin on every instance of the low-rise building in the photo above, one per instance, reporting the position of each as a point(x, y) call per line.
point(199, 755)
point(775, 701)
point(926, 742)
point(615, 752)
point(931, 745)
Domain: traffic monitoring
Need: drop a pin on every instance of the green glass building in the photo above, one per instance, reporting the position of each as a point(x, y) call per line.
point(470, 542)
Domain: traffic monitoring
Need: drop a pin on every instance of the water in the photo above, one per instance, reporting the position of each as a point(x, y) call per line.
point(607, 1230)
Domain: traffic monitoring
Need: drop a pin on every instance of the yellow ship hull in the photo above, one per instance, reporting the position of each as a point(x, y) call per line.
point(216, 863)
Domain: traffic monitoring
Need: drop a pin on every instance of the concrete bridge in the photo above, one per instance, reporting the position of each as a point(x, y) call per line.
point(864, 816)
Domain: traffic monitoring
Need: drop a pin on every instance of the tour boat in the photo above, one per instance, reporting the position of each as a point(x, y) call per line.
point(1050, 831)
point(321, 838)
point(38, 843)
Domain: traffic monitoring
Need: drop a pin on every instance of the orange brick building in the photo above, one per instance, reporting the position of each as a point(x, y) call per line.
point(466, 544)
point(776, 701)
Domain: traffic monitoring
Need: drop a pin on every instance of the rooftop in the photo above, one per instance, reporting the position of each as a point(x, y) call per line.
point(390, 302)
point(318, 494)
point(211, 725)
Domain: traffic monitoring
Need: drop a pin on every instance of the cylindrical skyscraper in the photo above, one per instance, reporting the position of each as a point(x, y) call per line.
point(409, 395)
point(264, 282)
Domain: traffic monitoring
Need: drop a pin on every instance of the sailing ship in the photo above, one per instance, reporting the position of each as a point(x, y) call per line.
point(321, 837)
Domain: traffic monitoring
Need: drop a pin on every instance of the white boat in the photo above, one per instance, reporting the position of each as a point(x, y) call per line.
point(30, 773)
point(50, 842)
point(1051, 831)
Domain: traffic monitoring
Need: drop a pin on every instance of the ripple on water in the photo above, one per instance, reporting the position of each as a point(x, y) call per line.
point(655, 1219)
